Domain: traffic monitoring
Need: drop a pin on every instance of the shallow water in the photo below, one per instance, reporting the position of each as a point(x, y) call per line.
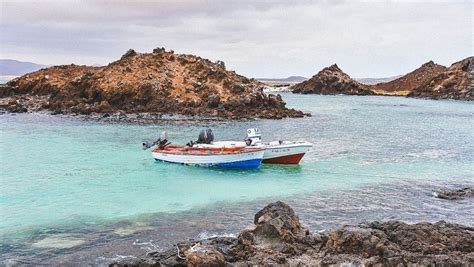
point(73, 190)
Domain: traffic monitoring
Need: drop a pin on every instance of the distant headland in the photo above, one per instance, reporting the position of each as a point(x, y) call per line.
point(428, 81)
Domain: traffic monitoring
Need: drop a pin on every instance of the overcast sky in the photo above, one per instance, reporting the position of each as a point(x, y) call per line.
point(255, 38)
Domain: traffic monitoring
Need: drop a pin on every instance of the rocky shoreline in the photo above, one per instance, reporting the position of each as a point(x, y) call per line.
point(277, 237)
point(32, 104)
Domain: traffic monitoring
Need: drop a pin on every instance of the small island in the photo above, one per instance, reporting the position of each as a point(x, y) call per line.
point(430, 80)
point(161, 82)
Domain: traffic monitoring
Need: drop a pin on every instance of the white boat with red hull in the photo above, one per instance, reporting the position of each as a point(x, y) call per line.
point(277, 152)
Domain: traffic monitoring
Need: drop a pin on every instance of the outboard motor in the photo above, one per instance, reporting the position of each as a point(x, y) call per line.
point(205, 137)
point(161, 142)
point(254, 136)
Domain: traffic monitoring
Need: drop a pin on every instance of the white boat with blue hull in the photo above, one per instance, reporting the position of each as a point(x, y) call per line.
point(234, 158)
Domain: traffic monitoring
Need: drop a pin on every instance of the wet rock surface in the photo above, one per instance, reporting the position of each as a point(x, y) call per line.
point(331, 81)
point(159, 82)
point(455, 194)
point(277, 237)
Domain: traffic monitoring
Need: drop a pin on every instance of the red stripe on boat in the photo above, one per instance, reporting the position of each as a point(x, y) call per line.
point(290, 159)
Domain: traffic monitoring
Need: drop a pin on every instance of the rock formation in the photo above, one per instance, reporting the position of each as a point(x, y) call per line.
point(455, 194)
point(277, 237)
point(410, 81)
point(331, 81)
point(161, 82)
point(456, 82)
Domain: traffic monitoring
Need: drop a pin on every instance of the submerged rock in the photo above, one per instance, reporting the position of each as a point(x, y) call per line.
point(277, 237)
point(58, 241)
point(455, 193)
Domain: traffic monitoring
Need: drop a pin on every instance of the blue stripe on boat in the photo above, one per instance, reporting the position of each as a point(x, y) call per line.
point(244, 164)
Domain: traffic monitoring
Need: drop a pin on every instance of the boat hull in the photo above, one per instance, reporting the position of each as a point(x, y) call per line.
point(275, 153)
point(241, 160)
point(285, 154)
point(290, 159)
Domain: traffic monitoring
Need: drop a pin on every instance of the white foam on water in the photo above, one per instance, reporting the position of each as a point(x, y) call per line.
point(431, 154)
point(147, 245)
point(206, 235)
point(117, 257)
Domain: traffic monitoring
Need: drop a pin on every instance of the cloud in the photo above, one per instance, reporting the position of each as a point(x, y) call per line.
point(256, 38)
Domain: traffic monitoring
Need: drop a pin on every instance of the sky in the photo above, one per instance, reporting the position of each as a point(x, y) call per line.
point(255, 38)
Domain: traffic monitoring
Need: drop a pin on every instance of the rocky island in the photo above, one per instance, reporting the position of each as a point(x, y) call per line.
point(430, 80)
point(161, 82)
point(455, 82)
point(278, 237)
point(331, 81)
point(405, 84)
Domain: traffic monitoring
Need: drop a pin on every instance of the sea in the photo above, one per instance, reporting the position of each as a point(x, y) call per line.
point(75, 191)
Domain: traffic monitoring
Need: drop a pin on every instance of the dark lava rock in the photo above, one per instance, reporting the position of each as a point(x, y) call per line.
point(277, 237)
point(331, 81)
point(456, 193)
point(129, 53)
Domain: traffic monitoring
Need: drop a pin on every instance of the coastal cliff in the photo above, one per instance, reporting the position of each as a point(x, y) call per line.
point(331, 81)
point(456, 82)
point(162, 82)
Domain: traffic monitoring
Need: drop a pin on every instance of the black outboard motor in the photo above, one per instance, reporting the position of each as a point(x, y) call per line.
point(161, 142)
point(205, 137)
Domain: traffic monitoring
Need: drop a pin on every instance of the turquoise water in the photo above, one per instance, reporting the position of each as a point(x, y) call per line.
point(63, 172)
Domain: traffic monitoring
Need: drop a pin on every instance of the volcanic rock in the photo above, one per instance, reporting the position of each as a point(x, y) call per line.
point(407, 83)
point(331, 81)
point(455, 194)
point(277, 237)
point(160, 82)
point(456, 82)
